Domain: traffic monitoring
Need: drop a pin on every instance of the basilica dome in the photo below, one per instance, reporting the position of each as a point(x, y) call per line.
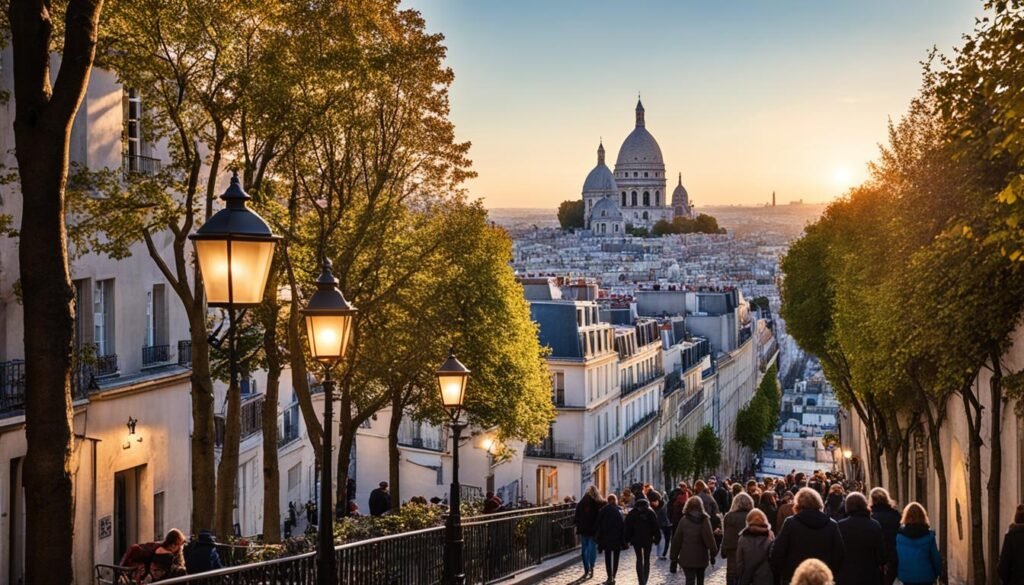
point(600, 180)
point(640, 147)
point(606, 210)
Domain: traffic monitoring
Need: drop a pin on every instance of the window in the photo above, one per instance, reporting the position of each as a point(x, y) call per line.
point(647, 198)
point(645, 174)
point(636, 174)
point(623, 198)
point(645, 215)
point(616, 228)
point(294, 475)
point(158, 515)
point(83, 322)
point(132, 129)
point(657, 198)
point(558, 383)
point(149, 319)
point(634, 199)
point(103, 317)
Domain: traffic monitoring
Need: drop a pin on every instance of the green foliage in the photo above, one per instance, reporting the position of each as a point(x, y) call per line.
point(707, 451)
point(570, 214)
point(639, 232)
point(757, 420)
point(702, 224)
point(762, 303)
point(677, 457)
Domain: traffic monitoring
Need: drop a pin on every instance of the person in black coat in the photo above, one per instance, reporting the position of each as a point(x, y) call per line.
point(865, 545)
point(380, 500)
point(807, 534)
point(888, 518)
point(611, 535)
point(201, 555)
point(642, 531)
point(1011, 558)
point(585, 518)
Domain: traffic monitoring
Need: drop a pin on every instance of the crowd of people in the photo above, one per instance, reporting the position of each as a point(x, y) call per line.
point(798, 530)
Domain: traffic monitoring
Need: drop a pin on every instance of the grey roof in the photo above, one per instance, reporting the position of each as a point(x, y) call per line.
point(606, 210)
point(558, 327)
point(640, 148)
point(600, 179)
point(679, 195)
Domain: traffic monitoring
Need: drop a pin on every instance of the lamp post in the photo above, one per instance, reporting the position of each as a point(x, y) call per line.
point(328, 329)
point(234, 249)
point(847, 455)
point(451, 380)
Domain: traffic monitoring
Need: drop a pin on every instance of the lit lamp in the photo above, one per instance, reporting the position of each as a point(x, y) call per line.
point(328, 326)
point(847, 454)
point(452, 377)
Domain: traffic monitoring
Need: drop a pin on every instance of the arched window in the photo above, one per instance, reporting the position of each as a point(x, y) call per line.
point(616, 228)
point(604, 213)
point(623, 198)
point(645, 215)
point(645, 174)
point(634, 199)
point(647, 198)
point(636, 174)
point(657, 198)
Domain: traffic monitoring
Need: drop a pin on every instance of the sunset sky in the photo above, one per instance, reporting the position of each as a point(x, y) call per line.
point(744, 97)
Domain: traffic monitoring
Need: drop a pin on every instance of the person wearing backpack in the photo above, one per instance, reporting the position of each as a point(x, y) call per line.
point(201, 555)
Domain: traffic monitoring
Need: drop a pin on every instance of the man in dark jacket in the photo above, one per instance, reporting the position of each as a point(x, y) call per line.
point(1011, 558)
point(642, 532)
point(864, 542)
point(889, 519)
point(722, 496)
point(380, 500)
point(201, 556)
point(808, 534)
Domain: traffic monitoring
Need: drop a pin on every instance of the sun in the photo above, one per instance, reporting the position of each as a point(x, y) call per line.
point(842, 177)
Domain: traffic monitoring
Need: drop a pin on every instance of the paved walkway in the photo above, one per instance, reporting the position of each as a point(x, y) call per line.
point(627, 573)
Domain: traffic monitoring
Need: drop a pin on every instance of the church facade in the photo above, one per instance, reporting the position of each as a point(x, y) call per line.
point(634, 195)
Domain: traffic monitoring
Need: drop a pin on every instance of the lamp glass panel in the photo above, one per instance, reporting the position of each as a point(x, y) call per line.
point(213, 263)
point(250, 267)
point(452, 389)
point(328, 335)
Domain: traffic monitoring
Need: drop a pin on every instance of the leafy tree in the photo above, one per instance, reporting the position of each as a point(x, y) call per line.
point(571, 214)
point(707, 451)
point(677, 458)
point(757, 420)
point(662, 227)
point(706, 224)
point(42, 131)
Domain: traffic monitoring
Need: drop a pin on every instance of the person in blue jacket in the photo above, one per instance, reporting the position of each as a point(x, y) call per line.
point(918, 554)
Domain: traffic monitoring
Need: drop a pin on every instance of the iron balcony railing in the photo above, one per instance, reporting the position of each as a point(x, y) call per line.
point(556, 450)
point(691, 404)
point(185, 353)
point(673, 382)
point(288, 430)
point(493, 548)
point(12, 386)
point(431, 443)
point(628, 389)
point(142, 165)
point(640, 423)
point(105, 365)
point(155, 354)
point(252, 420)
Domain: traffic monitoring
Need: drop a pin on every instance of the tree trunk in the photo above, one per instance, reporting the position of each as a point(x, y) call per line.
point(227, 470)
point(271, 470)
point(204, 484)
point(892, 453)
point(344, 459)
point(300, 375)
point(905, 459)
point(995, 477)
point(394, 456)
point(973, 411)
point(42, 131)
point(940, 471)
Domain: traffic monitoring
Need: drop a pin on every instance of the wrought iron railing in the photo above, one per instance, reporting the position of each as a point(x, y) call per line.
point(185, 353)
point(628, 389)
point(430, 443)
point(495, 547)
point(640, 423)
point(156, 354)
point(143, 165)
point(105, 365)
point(252, 420)
point(555, 450)
point(12, 386)
point(691, 404)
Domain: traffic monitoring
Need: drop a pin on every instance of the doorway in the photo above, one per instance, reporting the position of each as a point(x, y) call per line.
point(126, 510)
point(16, 526)
point(601, 478)
point(547, 485)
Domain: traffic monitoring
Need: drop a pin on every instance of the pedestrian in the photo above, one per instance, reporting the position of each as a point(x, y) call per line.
point(888, 518)
point(642, 532)
point(835, 503)
point(611, 530)
point(865, 545)
point(752, 551)
point(310, 512)
point(786, 509)
point(1011, 558)
point(586, 527)
point(380, 500)
point(735, 521)
point(201, 555)
point(919, 561)
point(700, 489)
point(678, 503)
point(153, 561)
point(693, 543)
point(627, 498)
point(722, 496)
point(807, 534)
point(812, 572)
point(492, 503)
point(660, 507)
point(767, 505)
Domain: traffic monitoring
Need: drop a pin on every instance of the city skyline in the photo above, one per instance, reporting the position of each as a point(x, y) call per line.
point(744, 100)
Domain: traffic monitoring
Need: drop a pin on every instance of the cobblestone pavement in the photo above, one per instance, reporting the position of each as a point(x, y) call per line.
point(715, 575)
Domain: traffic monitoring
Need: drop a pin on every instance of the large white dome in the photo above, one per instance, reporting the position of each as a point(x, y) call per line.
point(640, 147)
point(600, 179)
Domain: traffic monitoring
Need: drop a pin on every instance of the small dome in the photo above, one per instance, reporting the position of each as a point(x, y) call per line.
point(606, 210)
point(600, 179)
point(679, 195)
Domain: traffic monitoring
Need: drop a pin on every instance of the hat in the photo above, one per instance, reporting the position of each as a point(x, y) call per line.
point(383, 484)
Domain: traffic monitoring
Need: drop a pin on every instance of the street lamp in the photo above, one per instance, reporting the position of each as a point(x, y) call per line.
point(451, 381)
point(328, 326)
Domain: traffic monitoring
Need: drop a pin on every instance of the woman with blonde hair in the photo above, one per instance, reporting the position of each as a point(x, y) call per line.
point(585, 518)
point(812, 572)
point(919, 562)
point(752, 552)
point(734, 522)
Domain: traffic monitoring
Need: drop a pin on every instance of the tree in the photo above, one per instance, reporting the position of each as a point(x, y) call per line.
point(662, 227)
point(706, 224)
point(757, 420)
point(677, 458)
point(571, 214)
point(42, 131)
point(707, 451)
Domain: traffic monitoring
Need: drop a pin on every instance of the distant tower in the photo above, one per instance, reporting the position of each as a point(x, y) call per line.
point(773, 198)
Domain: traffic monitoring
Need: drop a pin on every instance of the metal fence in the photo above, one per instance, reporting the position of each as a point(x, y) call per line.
point(155, 354)
point(495, 547)
point(185, 353)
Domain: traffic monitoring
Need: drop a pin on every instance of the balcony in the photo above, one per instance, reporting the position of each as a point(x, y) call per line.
point(185, 353)
point(628, 389)
point(556, 450)
point(140, 165)
point(673, 382)
point(429, 443)
point(252, 420)
point(288, 430)
point(640, 423)
point(691, 404)
point(104, 366)
point(155, 355)
point(12, 386)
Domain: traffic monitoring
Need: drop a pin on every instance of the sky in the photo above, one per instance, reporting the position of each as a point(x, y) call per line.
point(745, 97)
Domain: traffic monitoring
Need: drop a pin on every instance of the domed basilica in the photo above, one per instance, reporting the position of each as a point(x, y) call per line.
point(634, 195)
